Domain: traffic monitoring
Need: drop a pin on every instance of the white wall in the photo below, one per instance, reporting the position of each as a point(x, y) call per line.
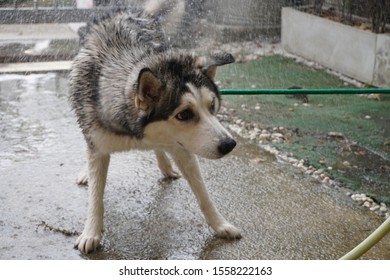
point(348, 50)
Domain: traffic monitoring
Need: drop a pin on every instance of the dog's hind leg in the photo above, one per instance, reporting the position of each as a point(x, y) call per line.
point(188, 165)
point(89, 240)
point(165, 165)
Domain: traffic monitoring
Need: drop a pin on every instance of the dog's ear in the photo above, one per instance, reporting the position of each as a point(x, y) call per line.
point(209, 64)
point(148, 87)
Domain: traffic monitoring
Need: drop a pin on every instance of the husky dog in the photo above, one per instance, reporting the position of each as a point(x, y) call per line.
point(130, 91)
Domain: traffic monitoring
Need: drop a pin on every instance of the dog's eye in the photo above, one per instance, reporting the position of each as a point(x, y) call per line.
point(185, 115)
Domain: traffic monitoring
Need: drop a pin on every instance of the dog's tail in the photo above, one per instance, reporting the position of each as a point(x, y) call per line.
point(170, 13)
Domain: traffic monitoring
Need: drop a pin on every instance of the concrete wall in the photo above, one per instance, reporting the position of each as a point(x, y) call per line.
point(382, 65)
point(348, 50)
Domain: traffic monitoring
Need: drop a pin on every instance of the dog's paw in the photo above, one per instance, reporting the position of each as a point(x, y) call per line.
point(82, 178)
point(165, 166)
point(228, 231)
point(170, 174)
point(87, 243)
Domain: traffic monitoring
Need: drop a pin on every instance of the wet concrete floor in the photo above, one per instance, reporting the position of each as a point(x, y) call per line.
point(282, 213)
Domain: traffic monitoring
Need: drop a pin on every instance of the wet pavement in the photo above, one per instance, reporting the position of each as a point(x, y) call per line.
point(37, 43)
point(282, 213)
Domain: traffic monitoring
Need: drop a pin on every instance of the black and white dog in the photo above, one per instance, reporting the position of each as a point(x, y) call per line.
point(129, 90)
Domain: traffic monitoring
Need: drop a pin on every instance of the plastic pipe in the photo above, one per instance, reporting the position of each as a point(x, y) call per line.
point(370, 241)
point(306, 91)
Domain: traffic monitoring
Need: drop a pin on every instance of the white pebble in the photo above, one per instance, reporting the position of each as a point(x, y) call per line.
point(369, 199)
point(367, 204)
point(347, 164)
point(264, 136)
point(277, 135)
point(318, 172)
point(326, 180)
point(374, 207)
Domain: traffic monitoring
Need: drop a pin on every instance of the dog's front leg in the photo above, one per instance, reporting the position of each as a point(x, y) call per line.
point(188, 165)
point(89, 240)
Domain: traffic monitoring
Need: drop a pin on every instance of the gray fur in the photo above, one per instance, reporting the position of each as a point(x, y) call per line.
point(125, 80)
point(104, 74)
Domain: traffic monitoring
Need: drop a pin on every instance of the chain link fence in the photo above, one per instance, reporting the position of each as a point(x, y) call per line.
point(227, 20)
point(371, 15)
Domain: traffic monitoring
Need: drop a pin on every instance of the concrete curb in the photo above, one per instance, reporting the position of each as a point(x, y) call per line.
point(36, 32)
point(34, 67)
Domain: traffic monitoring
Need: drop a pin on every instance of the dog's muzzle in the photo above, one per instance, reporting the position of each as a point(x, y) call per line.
point(226, 146)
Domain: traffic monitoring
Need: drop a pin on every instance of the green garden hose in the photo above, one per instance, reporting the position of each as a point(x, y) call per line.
point(306, 91)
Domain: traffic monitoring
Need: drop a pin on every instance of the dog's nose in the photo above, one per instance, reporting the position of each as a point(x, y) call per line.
point(226, 146)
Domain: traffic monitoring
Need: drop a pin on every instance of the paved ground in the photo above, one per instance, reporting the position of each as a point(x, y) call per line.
point(282, 213)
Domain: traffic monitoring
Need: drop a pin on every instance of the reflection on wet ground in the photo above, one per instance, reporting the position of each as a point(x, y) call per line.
point(282, 213)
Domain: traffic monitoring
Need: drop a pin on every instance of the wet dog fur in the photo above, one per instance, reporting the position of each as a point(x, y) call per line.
point(129, 90)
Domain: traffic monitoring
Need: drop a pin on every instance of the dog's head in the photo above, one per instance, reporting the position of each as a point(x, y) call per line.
point(180, 101)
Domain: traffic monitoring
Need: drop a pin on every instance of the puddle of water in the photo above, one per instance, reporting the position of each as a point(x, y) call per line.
point(25, 119)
